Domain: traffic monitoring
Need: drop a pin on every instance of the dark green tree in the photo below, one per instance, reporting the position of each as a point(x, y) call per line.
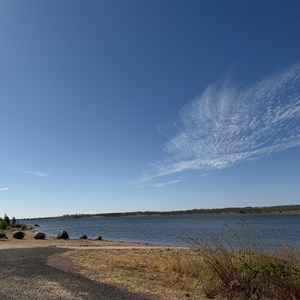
point(13, 221)
point(6, 219)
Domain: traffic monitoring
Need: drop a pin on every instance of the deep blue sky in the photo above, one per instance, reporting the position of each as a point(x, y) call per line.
point(113, 106)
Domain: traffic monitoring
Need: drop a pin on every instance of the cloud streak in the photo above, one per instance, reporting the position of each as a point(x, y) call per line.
point(4, 189)
point(226, 124)
point(32, 173)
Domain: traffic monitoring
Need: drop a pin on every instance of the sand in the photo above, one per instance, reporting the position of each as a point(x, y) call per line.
point(29, 242)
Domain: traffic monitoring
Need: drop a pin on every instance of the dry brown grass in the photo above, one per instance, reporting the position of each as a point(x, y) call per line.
point(204, 272)
point(238, 270)
point(252, 275)
point(161, 273)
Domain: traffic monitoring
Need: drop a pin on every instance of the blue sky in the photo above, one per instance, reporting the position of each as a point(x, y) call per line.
point(110, 106)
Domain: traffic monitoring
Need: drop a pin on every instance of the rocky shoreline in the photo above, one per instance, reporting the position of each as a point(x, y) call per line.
point(32, 239)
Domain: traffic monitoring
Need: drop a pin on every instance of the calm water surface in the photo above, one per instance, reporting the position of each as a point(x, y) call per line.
point(270, 231)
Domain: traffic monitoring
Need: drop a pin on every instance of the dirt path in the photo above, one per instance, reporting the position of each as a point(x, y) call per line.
point(25, 274)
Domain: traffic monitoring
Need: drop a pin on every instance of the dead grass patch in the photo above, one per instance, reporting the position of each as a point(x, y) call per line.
point(161, 273)
point(232, 269)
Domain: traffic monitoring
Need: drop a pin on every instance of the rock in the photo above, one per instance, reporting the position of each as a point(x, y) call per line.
point(18, 235)
point(83, 237)
point(36, 225)
point(3, 236)
point(98, 238)
point(16, 226)
point(39, 236)
point(63, 235)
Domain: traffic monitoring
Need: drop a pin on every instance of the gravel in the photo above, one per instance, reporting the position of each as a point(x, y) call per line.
point(24, 274)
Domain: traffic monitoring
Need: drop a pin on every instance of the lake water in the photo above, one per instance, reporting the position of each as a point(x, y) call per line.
point(270, 231)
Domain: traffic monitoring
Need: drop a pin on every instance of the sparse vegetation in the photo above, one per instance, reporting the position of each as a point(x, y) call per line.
point(216, 269)
point(237, 269)
point(23, 227)
point(251, 275)
point(3, 225)
point(7, 224)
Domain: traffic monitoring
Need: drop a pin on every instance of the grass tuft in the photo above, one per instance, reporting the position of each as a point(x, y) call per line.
point(236, 269)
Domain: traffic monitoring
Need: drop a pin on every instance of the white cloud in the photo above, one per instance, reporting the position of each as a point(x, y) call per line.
point(226, 124)
point(4, 189)
point(161, 184)
point(32, 173)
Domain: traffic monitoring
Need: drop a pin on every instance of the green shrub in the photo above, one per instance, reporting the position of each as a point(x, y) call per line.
point(246, 273)
point(3, 226)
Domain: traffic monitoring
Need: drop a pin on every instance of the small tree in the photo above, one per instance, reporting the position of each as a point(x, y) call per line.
point(6, 220)
point(3, 225)
point(13, 221)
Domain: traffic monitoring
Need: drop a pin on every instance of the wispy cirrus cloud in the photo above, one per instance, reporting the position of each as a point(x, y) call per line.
point(161, 184)
point(227, 124)
point(32, 173)
point(4, 189)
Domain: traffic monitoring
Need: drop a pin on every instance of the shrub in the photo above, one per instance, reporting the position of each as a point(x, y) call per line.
point(239, 271)
point(3, 225)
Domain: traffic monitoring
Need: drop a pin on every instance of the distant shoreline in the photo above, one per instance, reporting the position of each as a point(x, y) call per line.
point(266, 210)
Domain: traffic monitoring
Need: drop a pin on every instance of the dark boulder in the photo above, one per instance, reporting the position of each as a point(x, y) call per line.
point(18, 235)
point(83, 237)
point(98, 238)
point(63, 235)
point(3, 236)
point(39, 236)
point(16, 226)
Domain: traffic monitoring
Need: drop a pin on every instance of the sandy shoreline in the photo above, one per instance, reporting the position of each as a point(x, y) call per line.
point(29, 242)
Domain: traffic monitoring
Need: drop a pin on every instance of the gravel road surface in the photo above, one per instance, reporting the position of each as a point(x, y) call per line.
point(24, 274)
